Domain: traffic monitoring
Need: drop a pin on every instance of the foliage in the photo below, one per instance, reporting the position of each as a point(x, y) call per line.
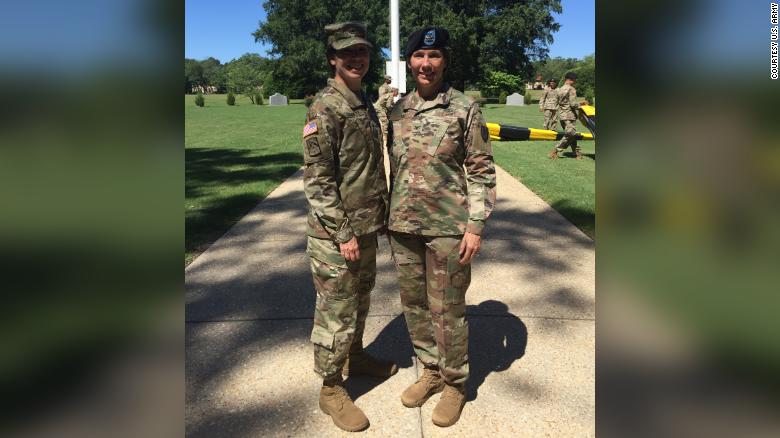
point(231, 99)
point(502, 98)
point(485, 36)
point(258, 100)
point(199, 101)
point(247, 74)
point(586, 78)
point(497, 82)
point(193, 75)
point(213, 73)
point(554, 68)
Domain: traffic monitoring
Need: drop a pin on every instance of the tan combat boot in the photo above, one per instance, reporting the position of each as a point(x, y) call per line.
point(447, 411)
point(578, 155)
point(419, 392)
point(553, 154)
point(335, 402)
point(361, 363)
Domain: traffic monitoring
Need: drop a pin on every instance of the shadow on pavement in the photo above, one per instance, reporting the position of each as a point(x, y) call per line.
point(497, 338)
point(392, 343)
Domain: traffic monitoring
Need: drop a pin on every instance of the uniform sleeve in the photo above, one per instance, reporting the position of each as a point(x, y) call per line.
point(541, 101)
point(320, 143)
point(480, 171)
point(573, 99)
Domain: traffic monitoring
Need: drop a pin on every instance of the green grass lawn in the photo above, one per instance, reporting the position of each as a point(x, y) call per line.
point(568, 185)
point(235, 156)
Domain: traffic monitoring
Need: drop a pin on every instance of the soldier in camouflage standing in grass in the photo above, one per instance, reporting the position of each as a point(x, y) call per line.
point(344, 182)
point(567, 112)
point(442, 190)
point(548, 104)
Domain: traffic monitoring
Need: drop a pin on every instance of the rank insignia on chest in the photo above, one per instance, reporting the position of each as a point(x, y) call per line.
point(310, 128)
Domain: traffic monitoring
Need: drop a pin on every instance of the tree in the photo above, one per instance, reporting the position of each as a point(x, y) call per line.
point(586, 78)
point(212, 73)
point(499, 82)
point(246, 75)
point(193, 75)
point(485, 36)
point(554, 68)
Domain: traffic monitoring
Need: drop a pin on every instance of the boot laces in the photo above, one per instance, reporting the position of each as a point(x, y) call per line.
point(429, 375)
point(451, 392)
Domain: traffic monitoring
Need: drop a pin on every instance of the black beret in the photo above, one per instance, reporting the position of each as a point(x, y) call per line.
point(571, 75)
point(427, 38)
point(553, 80)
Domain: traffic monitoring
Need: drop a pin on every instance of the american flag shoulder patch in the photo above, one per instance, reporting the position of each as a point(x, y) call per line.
point(310, 128)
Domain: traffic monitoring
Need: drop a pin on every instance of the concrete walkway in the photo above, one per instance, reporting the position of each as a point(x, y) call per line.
point(531, 310)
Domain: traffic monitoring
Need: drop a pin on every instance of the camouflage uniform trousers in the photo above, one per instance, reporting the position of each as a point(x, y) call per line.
point(569, 137)
point(549, 119)
point(343, 297)
point(433, 295)
point(381, 114)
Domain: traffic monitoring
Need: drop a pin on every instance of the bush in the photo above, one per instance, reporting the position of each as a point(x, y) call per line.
point(231, 99)
point(258, 98)
point(199, 100)
point(502, 98)
point(307, 100)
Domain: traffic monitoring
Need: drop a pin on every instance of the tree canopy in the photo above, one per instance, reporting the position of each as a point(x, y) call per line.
point(485, 36)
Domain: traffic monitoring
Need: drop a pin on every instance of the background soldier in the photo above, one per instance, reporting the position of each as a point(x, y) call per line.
point(567, 112)
point(344, 216)
point(384, 103)
point(548, 104)
point(443, 189)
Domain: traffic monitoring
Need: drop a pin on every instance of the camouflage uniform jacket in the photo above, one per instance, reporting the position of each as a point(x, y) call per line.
point(431, 142)
point(344, 176)
point(567, 102)
point(549, 100)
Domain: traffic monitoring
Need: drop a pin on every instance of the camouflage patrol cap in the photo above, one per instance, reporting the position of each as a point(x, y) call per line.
point(388, 78)
point(346, 34)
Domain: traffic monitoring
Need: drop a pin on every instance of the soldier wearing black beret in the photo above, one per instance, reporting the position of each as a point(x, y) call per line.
point(443, 188)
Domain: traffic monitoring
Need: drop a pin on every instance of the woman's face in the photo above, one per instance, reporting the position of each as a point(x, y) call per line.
point(351, 63)
point(427, 66)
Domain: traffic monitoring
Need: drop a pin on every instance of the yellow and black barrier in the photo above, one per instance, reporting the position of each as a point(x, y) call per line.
point(516, 133)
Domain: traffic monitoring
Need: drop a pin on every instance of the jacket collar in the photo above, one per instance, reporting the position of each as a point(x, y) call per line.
point(418, 104)
point(354, 100)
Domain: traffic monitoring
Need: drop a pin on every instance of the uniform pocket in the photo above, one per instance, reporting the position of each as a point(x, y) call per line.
point(321, 337)
point(440, 130)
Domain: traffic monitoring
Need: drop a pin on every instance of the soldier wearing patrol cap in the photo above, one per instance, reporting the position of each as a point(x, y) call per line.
point(567, 113)
point(548, 104)
point(384, 103)
point(443, 188)
point(345, 185)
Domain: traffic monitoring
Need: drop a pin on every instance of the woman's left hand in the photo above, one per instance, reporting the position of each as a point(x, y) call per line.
point(469, 248)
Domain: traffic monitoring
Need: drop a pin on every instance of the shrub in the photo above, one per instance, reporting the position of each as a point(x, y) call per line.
point(199, 100)
point(502, 98)
point(231, 99)
point(258, 98)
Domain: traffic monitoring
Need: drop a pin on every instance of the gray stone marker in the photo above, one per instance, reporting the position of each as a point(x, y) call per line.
point(515, 99)
point(277, 99)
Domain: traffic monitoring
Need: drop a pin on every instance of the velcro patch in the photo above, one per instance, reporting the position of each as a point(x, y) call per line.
point(310, 128)
point(313, 146)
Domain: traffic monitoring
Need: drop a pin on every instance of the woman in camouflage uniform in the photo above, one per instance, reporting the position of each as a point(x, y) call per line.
point(344, 181)
point(437, 213)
